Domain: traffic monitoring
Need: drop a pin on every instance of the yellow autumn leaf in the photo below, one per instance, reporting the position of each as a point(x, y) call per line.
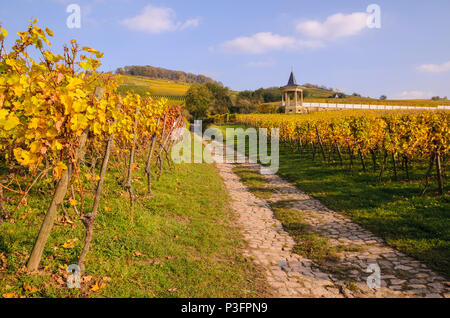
point(73, 83)
point(96, 287)
point(90, 50)
point(97, 128)
point(23, 156)
point(29, 288)
point(59, 169)
point(51, 132)
point(18, 90)
point(49, 32)
point(79, 123)
point(84, 65)
point(68, 245)
point(73, 202)
point(67, 101)
point(79, 106)
point(34, 123)
point(35, 146)
point(11, 122)
point(3, 113)
point(56, 145)
point(3, 33)
point(10, 295)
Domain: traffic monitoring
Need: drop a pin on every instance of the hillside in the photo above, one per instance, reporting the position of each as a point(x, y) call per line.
point(160, 73)
point(176, 91)
point(156, 87)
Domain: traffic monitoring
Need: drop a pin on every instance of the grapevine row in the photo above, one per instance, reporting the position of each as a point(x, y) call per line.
point(394, 136)
point(59, 116)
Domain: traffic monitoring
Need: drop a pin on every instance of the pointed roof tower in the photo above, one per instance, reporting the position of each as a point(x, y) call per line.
point(292, 81)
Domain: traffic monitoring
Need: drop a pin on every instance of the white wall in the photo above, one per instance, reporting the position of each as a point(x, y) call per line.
point(359, 106)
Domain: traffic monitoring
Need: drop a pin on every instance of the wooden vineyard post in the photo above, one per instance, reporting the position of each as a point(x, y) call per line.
point(148, 170)
point(89, 219)
point(128, 184)
point(439, 172)
point(58, 198)
point(49, 220)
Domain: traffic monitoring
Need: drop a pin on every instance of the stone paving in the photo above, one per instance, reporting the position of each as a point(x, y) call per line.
point(294, 276)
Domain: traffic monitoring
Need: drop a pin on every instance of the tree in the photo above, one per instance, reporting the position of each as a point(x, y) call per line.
point(221, 101)
point(198, 100)
point(162, 73)
point(438, 98)
point(246, 105)
point(383, 97)
point(337, 95)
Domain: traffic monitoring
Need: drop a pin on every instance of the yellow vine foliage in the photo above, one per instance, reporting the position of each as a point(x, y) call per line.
point(47, 103)
point(413, 134)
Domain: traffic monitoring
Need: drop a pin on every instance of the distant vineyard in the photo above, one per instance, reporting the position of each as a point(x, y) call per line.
point(171, 100)
point(170, 97)
point(404, 137)
point(146, 92)
point(142, 86)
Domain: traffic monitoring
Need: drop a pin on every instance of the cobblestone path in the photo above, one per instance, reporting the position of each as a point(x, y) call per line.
point(293, 275)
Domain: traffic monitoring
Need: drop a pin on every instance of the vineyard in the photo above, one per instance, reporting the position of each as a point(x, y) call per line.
point(93, 205)
point(155, 87)
point(385, 170)
point(174, 93)
point(64, 126)
point(395, 138)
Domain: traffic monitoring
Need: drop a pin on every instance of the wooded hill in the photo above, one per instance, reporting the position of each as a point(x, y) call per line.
point(162, 73)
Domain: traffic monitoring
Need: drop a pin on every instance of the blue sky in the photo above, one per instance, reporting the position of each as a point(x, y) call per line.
point(249, 44)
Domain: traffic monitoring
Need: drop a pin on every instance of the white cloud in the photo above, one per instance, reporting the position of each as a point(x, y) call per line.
point(264, 42)
point(335, 26)
point(264, 63)
point(415, 94)
point(157, 20)
point(435, 68)
point(315, 34)
point(192, 23)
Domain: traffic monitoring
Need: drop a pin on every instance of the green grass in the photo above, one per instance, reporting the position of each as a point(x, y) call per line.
point(418, 226)
point(254, 182)
point(182, 244)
